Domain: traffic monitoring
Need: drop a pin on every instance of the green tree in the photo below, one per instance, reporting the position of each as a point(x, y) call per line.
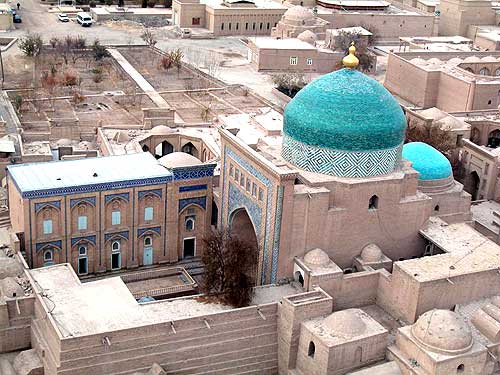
point(31, 45)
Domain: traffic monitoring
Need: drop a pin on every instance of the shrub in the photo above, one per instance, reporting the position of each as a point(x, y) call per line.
point(151, 4)
point(109, 2)
point(92, 4)
point(69, 79)
point(18, 102)
point(31, 45)
point(99, 51)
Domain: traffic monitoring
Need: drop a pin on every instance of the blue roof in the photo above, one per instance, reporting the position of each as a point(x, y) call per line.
point(345, 110)
point(429, 162)
point(95, 173)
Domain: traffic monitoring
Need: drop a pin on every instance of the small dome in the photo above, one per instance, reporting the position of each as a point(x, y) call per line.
point(10, 288)
point(454, 61)
point(317, 257)
point(298, 13)
point(434, 60)
point(347, 323)
point(488, 59)
point(371, 253)
point(472, 59)
point(429, 162)
point(442, 331)
point(178, 159)
point(307, 36)
point(161, 130)
point(344, 124)
point(418, 61)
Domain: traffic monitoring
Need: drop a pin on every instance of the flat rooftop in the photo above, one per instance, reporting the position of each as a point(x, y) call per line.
point(483, 213)
point(288, 43)
point(468, 252)
point(81, 309)
point(39, 177)
point(263, 4)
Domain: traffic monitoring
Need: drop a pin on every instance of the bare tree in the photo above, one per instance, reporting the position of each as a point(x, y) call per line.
point(229, 268)
point(343, 41)
point(290, 83)
point(149, 38)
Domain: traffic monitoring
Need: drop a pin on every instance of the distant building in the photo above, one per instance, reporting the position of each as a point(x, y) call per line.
point(293, 54)
point(229, 17)
point(109, 213)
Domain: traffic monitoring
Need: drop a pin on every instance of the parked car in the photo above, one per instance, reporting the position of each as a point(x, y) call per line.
point(84, 19)
point(63, 17)
point(17, 18)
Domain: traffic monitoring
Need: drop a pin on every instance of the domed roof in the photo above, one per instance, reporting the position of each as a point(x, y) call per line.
point(434, 60)
point(178, 159)
point(429, 162)
point(298, 13)
point(371, 253)
point(317, 257)
point(347, 323)
point(348, 123)
point(307, 36)
point(488, 59)
point(442, 331)
point(161, 130)
point(472, 59)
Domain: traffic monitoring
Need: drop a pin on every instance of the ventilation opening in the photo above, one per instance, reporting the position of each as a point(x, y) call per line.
point(460, 369)
point(436, 208)
point(373, 203)
point(312, 350)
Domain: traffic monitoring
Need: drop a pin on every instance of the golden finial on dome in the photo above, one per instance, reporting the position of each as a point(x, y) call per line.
point(351, 61)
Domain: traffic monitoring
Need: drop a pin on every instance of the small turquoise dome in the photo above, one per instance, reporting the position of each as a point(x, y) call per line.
point(429, 162)
point(345, 110)
point(344, 124)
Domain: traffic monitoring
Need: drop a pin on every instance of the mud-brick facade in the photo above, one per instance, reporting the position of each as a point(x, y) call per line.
point(123, 220)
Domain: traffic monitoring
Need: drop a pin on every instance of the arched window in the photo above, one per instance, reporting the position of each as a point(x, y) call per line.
point(48, 255)
point(311, 350)
point(460, 368)
point(484, 72)
point(497, 72)
point(190, 224)
point(82, 250)
point(436, 208)
point(373, 203)
point(148, 241)
point(115, 246)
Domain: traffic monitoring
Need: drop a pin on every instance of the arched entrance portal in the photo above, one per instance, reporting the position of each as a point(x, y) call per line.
point(241, 226)
point(472, 184)
point(163, 148)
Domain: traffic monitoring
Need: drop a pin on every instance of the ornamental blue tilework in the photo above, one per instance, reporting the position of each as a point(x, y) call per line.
point(183, 189)
point(141, 231)
point(264, 180)
point(429, 162)
point(39, 206)
point(41, 245)
point(108, 236)
point(346, 111)
point(340, 163)
point(91, 239)
point(237, 200)
point(143, 193)
point(199, 171)
point(90, 200)
point(96, 187)
point(277, 233)
point(199, 201)
point(124, 196)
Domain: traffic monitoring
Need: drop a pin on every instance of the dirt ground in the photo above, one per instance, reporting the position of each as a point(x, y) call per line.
point(76, 81)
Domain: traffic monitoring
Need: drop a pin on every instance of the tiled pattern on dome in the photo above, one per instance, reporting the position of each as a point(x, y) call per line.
point(340, 163)
point(429, 162)
point(345, 110)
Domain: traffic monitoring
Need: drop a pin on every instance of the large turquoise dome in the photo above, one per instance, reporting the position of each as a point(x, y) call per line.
point(344, 124)
point(429, 162)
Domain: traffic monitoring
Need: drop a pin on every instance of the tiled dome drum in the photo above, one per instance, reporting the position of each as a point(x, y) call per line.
point(344, 124)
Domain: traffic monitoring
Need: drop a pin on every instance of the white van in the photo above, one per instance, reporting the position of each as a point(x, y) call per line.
point(84, 19)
